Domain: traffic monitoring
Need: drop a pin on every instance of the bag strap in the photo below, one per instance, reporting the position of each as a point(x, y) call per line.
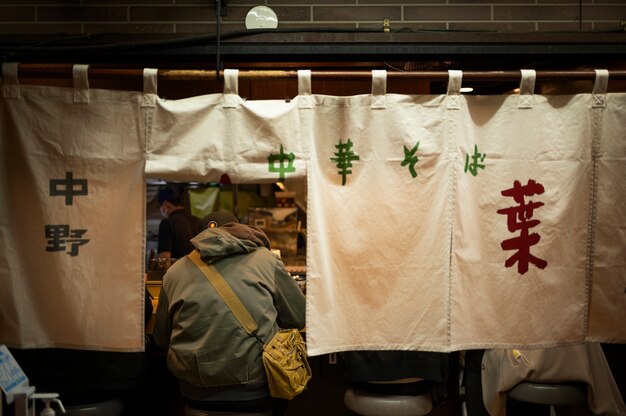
point(226, 293)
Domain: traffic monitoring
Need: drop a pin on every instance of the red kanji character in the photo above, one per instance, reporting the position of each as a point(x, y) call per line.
point(519, 219)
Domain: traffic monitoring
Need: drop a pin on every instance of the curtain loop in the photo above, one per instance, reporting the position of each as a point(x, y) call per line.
point(81, 83)
point(231, 88)
point(455, 80)
point(527, 88)
point(600, 87)
point(379, 88)
point(150, 81)
point(304, 89)
point(10, 82)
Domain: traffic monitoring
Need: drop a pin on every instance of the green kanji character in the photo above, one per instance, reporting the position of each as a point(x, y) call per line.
point(281, 158)
point(474, 165)
point(344, 158)
point(410, 159)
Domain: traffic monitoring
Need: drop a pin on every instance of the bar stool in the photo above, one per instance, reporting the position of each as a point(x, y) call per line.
point(554, 395)
point(375, 404)
point(189, 411)
point(111, 407)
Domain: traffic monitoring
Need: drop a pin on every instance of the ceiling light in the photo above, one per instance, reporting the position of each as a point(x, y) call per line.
point(261, 17)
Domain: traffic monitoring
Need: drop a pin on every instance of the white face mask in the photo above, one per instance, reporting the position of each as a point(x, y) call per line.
point(163, 210)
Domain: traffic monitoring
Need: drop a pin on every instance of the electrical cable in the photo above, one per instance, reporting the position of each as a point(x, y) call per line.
point(218, 30)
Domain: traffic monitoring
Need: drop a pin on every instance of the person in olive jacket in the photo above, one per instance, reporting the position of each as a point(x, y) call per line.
point(218, 365)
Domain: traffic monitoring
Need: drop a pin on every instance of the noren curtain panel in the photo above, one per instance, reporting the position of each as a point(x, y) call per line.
point(434, 222)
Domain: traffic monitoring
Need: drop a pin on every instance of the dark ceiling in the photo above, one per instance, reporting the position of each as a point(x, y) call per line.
point(473, 49)
point(327, 49)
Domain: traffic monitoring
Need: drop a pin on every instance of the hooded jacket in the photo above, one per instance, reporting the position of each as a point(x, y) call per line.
point(206, 345)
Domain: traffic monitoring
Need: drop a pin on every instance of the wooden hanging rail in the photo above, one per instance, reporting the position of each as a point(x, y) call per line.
point(65, 71)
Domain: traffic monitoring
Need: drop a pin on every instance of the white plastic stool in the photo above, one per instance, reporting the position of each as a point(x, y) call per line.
point(189, 411)
point(549, 394)
point(376, 404)
point(111, 407)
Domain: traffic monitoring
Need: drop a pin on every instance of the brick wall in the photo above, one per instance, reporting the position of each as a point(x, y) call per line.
point(198, 16)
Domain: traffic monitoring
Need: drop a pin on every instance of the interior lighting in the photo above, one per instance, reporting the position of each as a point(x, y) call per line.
point(261, 17)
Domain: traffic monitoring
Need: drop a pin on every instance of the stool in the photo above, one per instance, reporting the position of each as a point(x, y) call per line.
point(568, 394)
point(189, 411)
point(111, 407)
point(375, 404)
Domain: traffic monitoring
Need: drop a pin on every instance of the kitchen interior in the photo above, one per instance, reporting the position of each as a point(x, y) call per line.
point(279, 209)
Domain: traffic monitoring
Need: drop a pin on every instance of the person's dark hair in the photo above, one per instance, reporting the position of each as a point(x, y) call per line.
point(173, 193)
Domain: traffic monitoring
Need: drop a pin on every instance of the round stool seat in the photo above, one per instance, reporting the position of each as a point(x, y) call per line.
point(189, 411)
point(548, 393)
point(111, 407)
point(375, 404)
